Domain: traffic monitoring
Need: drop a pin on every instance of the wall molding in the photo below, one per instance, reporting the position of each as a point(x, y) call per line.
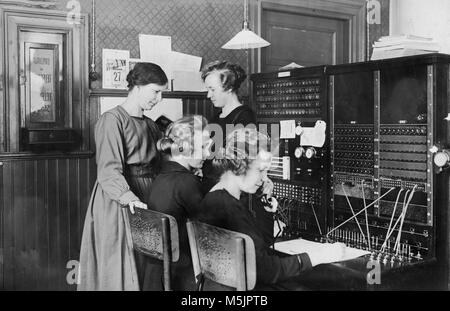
point(124, 93)
point(28, 3)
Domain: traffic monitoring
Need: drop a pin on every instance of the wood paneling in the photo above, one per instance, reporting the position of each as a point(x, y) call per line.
point(43, 206)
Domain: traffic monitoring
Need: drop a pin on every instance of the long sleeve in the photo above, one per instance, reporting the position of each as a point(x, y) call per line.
point(271, 268)
point(189, 195)
point(111, 159)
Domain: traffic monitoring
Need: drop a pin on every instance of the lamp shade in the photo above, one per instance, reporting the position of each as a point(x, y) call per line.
point(245, 39)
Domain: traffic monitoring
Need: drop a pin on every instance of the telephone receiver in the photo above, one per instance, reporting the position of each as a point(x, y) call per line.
point(265, 201)
point(269, 204)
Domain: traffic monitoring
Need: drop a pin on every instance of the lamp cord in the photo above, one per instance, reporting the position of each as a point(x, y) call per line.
point(93, 36)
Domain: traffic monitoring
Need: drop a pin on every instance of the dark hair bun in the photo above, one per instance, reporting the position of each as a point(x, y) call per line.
point(240, 75)
point(164, 145)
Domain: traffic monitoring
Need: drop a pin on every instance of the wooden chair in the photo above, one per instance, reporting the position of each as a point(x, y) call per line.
point(155, 235)
point(221, 255)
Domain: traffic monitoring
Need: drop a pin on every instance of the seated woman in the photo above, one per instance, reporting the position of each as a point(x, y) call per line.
point(176, 191)
point(244, 163)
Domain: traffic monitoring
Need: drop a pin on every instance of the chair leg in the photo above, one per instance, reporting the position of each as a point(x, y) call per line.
point(200, 282)
point(167, 253)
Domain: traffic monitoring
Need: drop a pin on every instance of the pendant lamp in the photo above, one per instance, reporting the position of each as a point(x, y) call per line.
point(245, 39)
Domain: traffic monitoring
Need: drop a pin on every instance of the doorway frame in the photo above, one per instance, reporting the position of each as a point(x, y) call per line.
point(353, 12)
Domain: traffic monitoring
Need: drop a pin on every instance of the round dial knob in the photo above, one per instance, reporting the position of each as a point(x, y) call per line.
point(299, 151)
point(442, 158)
point(298, 130)
point(310, 153)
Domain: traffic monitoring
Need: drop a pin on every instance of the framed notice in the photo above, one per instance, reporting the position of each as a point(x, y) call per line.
point(43, 63)
point(44, 82)
point(115, 69)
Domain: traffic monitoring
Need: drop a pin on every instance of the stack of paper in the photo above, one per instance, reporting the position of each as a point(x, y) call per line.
point(403, 45)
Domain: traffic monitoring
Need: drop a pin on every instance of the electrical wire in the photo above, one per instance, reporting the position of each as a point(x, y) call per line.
point(365, 212)
point(353, 212)
point(361, 211)
point(388, 233)
point(397, 243)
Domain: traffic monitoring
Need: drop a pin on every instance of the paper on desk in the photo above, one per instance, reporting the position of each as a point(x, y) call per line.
point(287, 129)
point(299, 246)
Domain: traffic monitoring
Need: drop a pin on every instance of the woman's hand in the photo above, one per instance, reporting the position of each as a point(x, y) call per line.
point(267, 187)
point(138, 204)
point(198, 172)
point(272, 205)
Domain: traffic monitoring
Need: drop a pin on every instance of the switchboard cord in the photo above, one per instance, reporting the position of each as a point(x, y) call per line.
point(361, 211)
point(365, 212)
point(353, 212)
point(405, 209)
point(315, 216)
point(389, 232)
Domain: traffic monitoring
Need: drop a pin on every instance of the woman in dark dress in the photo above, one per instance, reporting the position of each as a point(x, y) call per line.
point(177, 192)
point(244, 164)
point(223, 80)
point(126, 163)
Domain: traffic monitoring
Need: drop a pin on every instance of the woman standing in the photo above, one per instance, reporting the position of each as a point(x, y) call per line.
point(126, 162)
point(223, 80)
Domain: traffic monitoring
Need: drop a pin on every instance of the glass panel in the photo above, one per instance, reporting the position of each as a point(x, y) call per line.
point(42, 85)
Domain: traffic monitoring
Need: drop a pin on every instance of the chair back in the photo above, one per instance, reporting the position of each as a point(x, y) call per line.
point(155, 234)
point(224, 256)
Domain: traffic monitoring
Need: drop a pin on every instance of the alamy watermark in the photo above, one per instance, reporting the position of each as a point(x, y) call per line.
point(74, 14)
point(373, 12)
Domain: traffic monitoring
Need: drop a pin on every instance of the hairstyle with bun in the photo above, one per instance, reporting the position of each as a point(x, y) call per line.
point(179, 135)
point(231, 75)
point(241, 149)
point(146, 73)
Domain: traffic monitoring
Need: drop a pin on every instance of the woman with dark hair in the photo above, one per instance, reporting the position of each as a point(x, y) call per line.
point(127, 159)
point(244, 164)
point(176, 191)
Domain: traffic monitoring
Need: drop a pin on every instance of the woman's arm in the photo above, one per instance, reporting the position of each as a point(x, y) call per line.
point(111, 159)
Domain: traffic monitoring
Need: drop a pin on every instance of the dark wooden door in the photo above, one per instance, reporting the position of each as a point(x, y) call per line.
point(305, 39)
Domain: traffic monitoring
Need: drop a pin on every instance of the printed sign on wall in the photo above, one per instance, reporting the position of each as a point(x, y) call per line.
point(115, 69)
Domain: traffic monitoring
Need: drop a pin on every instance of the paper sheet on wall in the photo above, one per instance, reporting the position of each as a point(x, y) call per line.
point(188, 81)
point(156, 49)
point(115, 68)
point(287, 129)
point(313, 136)
point(172, 108)
point(185, 62)
point(299, 246)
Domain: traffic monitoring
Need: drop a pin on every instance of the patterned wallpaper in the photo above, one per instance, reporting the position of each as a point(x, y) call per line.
point(197, 27)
